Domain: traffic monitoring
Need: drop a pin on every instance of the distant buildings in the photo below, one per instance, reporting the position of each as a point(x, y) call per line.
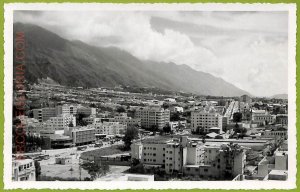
point(23, 170)
point(246, 99)
point(153, 116)
point(177, 109)
point(282, 119)
point(177, 125)
point(262, 117)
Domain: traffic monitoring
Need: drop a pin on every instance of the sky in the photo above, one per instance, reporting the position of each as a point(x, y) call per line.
point(247, 49)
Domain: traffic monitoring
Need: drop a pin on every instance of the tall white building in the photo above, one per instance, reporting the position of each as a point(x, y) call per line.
point(207, 119)
point(153, 115)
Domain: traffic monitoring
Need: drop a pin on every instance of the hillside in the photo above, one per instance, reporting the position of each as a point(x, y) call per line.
point(74, 63)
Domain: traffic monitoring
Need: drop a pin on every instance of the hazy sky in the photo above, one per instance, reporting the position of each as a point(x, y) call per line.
point(247, 49)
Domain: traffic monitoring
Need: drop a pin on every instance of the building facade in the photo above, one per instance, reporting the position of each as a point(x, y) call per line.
point(153, 116)
point(23, 170)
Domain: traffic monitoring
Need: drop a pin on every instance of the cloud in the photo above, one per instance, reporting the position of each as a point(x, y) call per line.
point(248, 49)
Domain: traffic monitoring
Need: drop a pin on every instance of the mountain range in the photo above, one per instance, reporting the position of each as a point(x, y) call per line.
point(74, 63)
point(280, 96)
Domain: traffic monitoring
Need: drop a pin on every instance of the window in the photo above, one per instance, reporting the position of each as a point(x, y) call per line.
point(205, 170)
point(154, 154)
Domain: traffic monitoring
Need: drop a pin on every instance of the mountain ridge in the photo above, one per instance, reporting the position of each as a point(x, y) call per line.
point(75, 63)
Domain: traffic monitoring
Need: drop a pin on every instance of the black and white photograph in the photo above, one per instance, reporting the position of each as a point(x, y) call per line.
point(177, 96)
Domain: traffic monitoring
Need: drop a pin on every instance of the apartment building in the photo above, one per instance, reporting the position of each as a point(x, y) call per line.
point(67, 109)
point(60, 122)
point(44, 114)
point(81, 135)
point(153, 115)
point(207, 119)
point(23, 170)
point(122, 118)
point(109, 128)
point(182, 155)
point(170, 154)
point(220, 162)
point(86, 111)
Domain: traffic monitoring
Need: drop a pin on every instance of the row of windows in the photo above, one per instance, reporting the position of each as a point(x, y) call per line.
point(154, 148)
point(153, 154)
point(150, 160)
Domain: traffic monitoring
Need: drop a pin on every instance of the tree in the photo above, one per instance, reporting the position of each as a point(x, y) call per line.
point(130, 134)
point(200, 130)
point(79, 119)
point(167, 128)
point(237, 117)
point(154, 128)
point(165, 105)
point(121, 109)
point(95, 170)
point(37, 169)
point(175, 117)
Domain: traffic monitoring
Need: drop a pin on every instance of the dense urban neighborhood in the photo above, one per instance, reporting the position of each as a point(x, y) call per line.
point(148, 134)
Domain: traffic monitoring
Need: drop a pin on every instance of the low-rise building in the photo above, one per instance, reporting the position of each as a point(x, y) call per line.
point(282, 119)
point(60, 122)
point(23, 170)
point(122, 118)
point(81, 135)
point(109, 128)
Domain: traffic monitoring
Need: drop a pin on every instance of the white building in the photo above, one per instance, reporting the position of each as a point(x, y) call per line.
point(122, 118)
point(109, 128)
point(60, 122)
point(81, 135)
point(153, 115)
point(207, 119)
point(23, 170)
